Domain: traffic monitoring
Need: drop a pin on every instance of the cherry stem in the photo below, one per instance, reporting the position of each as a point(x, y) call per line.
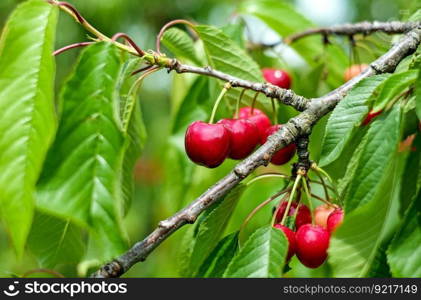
point(168, 25)
point(260, 206)
point(319, 171)
point(253, 103)
point(274, 111)
point(323, 200)
point(129, 40)
point(72, 46)
point(308, 195)
point(141, 70)
point(291, 196)
point(268, 175)
point(324, 186)
point(237, 106)
point(46, 271)
point(227, 86)
point(319, 182)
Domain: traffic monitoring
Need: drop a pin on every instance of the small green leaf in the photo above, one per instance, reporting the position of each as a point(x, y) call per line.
point(346, 117)
point(28, 118)
point(263, 255)
point(81, 175)
point(215, 264)
point(210, 227)
point(393, 86)
point(382, 142)
point(180, 44)
point(55, 242)
point(404, 253)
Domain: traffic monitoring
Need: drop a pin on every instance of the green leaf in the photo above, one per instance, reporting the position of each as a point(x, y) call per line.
point(285, 20)
point(418, 95)
point(55, 241)
point(180, 44)
point(380, 267)
point(28, 118)
point(215, 264)
point(404, 253)
point(382, 141)
point(235, 32)
point(81, 176)
point(347, 117)
point(210, 227)
point(355, 245)
point(393, 86)
point(263, 255)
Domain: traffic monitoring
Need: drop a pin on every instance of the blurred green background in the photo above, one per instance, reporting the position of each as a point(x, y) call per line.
point(160, 170)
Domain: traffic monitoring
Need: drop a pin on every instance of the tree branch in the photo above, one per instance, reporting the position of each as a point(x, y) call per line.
point(365, 28)
point(298, 126)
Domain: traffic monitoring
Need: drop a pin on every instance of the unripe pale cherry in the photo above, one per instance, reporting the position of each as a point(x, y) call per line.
point(259, 118)
point(277, 77)
point(290, 237)
point(321, 213)
point(244, 137)
point(207, 144)
point(335, 220)
point(283, 155)
point(303, 214)
point(354, 71)
point(312, 244)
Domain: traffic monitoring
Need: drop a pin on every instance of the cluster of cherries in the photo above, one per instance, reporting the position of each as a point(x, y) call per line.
point(311, 239)
point(210, 144)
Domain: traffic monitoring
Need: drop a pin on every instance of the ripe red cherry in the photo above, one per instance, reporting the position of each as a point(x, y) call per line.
point(258, 117)
point(335, 220)
point(312, 244)
point(283, 155)
point(321, 213)
point(370, 116)
point(303, 214)
point(277, 77)
point(244, 137)
point(291, 239)
point(207, 144)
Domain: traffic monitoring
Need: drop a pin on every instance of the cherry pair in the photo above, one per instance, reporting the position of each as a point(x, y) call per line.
point(311, 241)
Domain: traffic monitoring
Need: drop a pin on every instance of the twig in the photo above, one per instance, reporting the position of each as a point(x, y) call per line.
point(295, 127)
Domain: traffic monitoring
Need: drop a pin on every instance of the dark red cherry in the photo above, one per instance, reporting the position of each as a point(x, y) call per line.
point(370, 116)
point(207, 144)
point(277, 77)
point(335, 220)
point(303, 214)
point(291, 239)
point(258, 117)
point(312, 244)
point(244, 137)
point(283, 155)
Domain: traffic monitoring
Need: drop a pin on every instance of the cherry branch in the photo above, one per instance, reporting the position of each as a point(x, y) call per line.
point(298, 126)
point(365, 28)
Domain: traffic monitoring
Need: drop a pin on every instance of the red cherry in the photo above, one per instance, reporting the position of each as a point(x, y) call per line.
point(303, 214)
point(291, 239)
point(371, 115)
point(258, 117)
point(335, 220)
point(283, 155)
point(207, 144)
point(312, 244)
point(277, 77)
point(321, 213)
point(244, 137)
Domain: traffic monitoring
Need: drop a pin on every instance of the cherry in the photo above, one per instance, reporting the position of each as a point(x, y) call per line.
point(353, 71)
point(312, 244)
point(283, 155)
point(291, 239)
point(370, 116)
point(335, 220)
point(258, 117)
point(303, 214)
point(277, 77)
point(244, 137)
point(207, 144)
point(321, 213)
